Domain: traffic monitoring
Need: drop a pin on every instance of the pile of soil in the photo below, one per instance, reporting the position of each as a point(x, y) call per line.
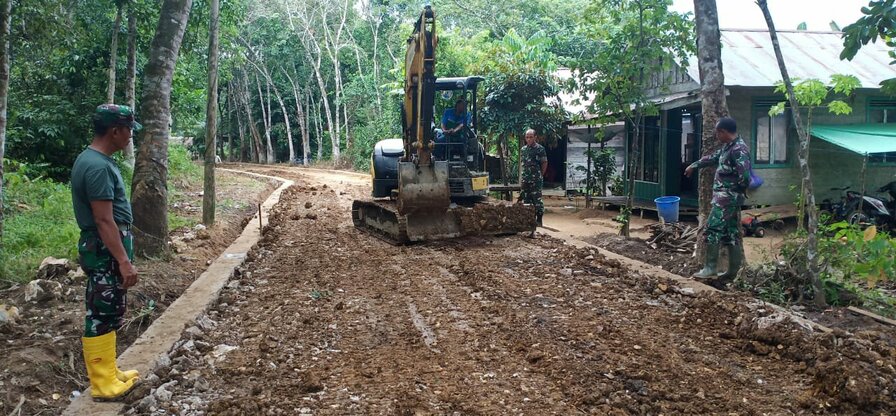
point(495, 218)
point(682, 264)
point(323, 319)
point(40, 353)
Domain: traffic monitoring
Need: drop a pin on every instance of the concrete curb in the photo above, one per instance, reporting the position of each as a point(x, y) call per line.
point(158, 339)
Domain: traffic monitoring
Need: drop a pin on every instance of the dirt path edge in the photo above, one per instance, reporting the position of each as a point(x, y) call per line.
point(158, 339)
point(683, 282)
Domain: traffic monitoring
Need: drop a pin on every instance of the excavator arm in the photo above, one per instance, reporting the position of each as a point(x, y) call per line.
point(422, 182)
point(419, 89)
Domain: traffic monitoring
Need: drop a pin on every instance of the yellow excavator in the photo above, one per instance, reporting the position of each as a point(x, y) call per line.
point(430, 185)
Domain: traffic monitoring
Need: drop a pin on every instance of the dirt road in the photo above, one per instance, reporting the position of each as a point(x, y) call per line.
point(326, 320)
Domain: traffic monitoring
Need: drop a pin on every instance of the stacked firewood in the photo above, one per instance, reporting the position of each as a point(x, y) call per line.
point(675, 237)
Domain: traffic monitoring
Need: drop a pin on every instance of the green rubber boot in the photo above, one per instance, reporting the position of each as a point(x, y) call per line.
point(710, 264)
point(735, 260)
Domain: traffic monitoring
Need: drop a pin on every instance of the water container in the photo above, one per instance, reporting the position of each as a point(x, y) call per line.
point(667, 206)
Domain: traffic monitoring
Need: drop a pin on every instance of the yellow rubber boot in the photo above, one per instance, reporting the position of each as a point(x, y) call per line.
point(126, 375)
point(99, 357)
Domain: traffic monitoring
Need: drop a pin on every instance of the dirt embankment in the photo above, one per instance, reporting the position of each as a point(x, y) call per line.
point(40, 353)
point(325, 320)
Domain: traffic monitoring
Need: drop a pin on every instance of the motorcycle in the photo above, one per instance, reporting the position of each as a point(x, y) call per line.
point(863, 210)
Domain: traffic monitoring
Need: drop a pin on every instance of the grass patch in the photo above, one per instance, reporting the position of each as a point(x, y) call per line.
point(39, 220)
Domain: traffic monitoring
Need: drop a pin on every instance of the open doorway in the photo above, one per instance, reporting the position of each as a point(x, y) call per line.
point(691, 134)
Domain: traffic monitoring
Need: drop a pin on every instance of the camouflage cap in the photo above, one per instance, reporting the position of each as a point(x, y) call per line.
point(116, 115)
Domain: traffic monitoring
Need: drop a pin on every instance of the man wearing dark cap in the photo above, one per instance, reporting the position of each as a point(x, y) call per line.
point(728, 192)
point(105, 248)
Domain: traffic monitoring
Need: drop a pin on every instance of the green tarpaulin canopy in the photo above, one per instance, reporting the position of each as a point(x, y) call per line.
point(863, 139)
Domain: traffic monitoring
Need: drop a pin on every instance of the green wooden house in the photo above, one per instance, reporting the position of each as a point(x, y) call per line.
point(839, 144)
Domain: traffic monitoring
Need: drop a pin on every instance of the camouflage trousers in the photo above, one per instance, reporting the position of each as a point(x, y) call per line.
point(723, 225)
point(105, 297)
point(530, 193)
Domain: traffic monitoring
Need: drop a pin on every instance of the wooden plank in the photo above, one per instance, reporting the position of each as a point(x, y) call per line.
point(872, 315)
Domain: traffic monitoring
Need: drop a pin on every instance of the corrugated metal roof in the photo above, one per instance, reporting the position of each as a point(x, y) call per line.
point(748, 58)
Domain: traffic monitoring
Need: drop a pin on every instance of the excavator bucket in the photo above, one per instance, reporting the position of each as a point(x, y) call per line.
point(423, 188)
point(488, 217)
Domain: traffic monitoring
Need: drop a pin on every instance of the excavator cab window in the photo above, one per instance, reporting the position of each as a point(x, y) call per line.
point(454, 129)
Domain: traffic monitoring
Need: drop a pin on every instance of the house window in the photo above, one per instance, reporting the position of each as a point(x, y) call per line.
point(882, 158)
point(770, 144)
point(882, 110)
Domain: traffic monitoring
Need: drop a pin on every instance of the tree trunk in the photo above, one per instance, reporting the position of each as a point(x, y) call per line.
point(300, 115)
point(5, 11)
point(266, 119)
point(150, 187)
point(292, 151)
point(712, 94)
point(211, 119)
point(632, 168)
point(320, 131)
point(803, 156)
point(113, 55)
point(244, 150)
point(130, 91)
point(502, 149)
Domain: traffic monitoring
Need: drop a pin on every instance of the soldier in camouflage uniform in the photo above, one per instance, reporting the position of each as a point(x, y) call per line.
point(105, 248)
point(728, 192)
point(535, 162)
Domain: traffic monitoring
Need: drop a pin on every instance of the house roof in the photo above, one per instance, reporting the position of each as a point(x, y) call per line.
point(748, 58)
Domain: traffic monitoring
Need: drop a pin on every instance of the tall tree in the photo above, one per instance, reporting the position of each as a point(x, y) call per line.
point(130, 91)
point(5, 16)
point(113, 51)
point(803, 156)
point(712, 94)
point(300, 115)
point(637, 38)
point(211, 118)
point(150, 184)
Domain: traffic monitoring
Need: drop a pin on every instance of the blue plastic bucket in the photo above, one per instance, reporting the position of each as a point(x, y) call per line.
point(667, 206)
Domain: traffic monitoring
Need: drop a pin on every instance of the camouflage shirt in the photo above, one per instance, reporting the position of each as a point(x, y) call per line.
point(532, 158)
point(732, 174)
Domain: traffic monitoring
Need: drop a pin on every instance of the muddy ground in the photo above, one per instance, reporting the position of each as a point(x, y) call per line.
point(325, 320)
point(682, 264)
point(40, 355)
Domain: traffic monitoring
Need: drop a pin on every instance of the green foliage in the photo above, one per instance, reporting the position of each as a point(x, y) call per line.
point(856, 254)
point(879, 21)
point(854, 263)
point(603, 169)
point(812, 93)
point(181, 167)
point(617, 186)
point(38, 222)
point(518, 83)
point(635, 38)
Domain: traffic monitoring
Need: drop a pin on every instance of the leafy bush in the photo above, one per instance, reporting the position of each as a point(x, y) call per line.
point(854, 263)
